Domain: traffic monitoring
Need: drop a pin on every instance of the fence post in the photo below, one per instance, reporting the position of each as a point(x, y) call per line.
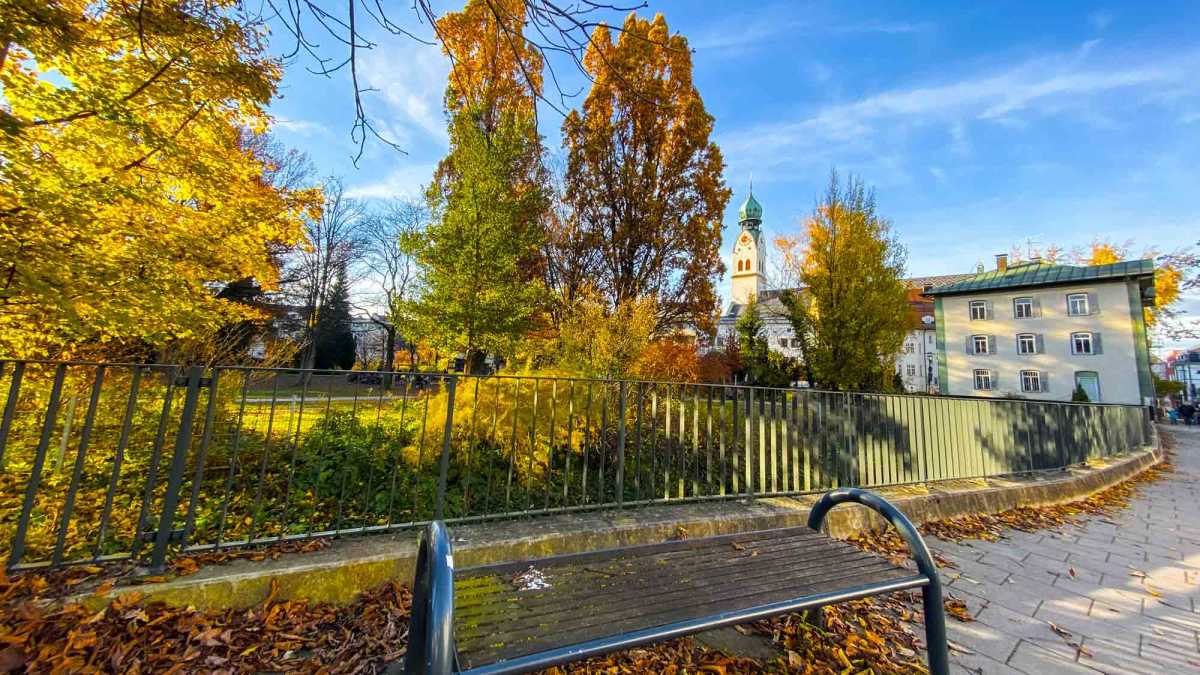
point(183, 441)
point(17, 551)
point(621, 396)
point(439, 509)
point(747, 468)
point(10, 407)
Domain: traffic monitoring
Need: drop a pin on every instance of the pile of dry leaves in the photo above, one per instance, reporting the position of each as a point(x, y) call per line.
point(131, 636)
point(1032, 518)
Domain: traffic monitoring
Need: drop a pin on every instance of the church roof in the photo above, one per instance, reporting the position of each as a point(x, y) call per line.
point(750, 209)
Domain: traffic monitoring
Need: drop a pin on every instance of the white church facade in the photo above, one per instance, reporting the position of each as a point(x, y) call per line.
point(917, 363)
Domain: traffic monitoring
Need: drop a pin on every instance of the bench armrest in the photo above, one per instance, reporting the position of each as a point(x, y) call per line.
point(935, 618)
point(431, 625)
point(883, 507)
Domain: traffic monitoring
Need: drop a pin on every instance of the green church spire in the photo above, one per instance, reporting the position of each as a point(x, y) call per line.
point(750, 213)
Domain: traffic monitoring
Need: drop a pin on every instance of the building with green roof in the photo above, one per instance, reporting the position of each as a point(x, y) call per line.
point(1043, 330)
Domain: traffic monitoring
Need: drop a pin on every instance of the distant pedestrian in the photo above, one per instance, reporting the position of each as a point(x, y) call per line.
point(1186, 411)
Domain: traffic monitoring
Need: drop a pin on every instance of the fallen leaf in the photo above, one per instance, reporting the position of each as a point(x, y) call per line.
point(1062, 632)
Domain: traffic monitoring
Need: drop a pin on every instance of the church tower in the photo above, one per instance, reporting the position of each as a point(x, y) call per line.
point(749, 263)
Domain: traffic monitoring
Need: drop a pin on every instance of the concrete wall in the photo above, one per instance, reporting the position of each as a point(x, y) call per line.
point(1116, 364)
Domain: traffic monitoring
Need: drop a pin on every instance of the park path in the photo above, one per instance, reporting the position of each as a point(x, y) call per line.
point(1113, 594)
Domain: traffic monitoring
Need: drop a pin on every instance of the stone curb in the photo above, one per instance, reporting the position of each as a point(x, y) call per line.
point(352, 565)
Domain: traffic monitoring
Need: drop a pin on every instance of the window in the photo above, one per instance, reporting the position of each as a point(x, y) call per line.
point(909, 347)
point(911, 370)
point(1090, 382)
point(1077, 304)
point(978, 310)
point(783, 342)
point(1023, 308)
point(1027, 343)
point(1031, 380)
point(739, 265)
point(1081, 343)
point(983, 380)
point(980, 344)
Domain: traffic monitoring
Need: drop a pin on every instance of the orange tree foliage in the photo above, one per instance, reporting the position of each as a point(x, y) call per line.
point(669, 359)
point(494, 74)
point(1167, 276)
point(493, 68)
point(128, 193)
point(642, 176)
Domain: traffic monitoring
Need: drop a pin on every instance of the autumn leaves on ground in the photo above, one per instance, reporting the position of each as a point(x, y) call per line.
point(43, 634)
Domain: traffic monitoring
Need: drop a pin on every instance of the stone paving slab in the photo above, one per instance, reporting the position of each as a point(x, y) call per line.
point(1121, 589)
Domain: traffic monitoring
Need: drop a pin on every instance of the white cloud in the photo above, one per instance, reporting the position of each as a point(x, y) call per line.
point(1060, 85)
point(407, 181)
point(773, 24)
point(410, 78)
point(300, 127)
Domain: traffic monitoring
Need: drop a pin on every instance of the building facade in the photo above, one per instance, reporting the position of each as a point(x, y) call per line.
point(1038, 330)
point(916, 364)
point(1184, 367)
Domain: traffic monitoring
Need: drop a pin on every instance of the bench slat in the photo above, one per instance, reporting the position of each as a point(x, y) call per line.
point(628, 574)
point(608, 593)
point(585, 590)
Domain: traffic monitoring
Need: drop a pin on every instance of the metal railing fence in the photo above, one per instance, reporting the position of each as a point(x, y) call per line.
point(104, 461)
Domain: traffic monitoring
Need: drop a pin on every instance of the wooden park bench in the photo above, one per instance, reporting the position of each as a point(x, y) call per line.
point(529, 615)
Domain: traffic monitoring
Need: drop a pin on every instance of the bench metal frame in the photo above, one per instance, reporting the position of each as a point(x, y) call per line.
point(431, 648)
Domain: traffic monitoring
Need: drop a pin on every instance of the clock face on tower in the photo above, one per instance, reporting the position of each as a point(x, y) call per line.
point(745, 240)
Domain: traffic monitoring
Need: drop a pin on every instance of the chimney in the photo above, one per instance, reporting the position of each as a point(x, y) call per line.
point(1002, 261)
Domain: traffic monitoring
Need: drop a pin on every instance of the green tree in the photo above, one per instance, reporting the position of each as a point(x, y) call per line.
point(1079, 395)
point(853, 314)
point(760, 365)
point(1167, 387)
point(479, 295)
point(334, 343)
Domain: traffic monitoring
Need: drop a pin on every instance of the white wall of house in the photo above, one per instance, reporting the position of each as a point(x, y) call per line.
point(917, 362)
point(1109, 318)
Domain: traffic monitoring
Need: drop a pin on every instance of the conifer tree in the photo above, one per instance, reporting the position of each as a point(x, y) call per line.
point(334, 337)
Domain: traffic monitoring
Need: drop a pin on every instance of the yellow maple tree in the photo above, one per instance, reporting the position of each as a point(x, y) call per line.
point(1167, 277)
point(128, 192)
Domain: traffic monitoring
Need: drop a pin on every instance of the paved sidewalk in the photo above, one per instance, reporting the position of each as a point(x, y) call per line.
point(1114, 594)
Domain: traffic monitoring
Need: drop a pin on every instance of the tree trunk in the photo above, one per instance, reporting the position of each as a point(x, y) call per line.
point(389, 357)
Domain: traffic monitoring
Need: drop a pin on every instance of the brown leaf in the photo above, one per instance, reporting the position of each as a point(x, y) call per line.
point(1062, 632)
point(12, 659)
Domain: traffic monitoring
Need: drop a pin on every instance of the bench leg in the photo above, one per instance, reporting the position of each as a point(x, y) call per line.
point(935, 629)
point(931, 594)
point(431, 623)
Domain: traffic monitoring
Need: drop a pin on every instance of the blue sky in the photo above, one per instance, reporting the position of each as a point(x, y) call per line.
point(981, 125)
